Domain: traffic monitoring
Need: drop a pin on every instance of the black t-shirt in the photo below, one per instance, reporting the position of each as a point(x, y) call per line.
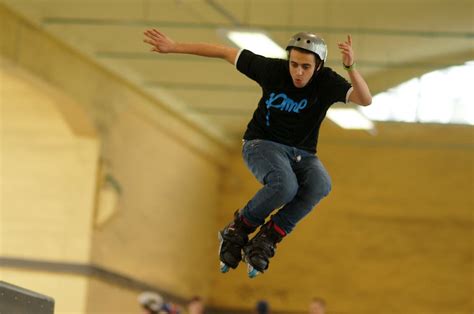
point(287, 114)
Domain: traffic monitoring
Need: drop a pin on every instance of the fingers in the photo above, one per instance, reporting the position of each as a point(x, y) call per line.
point(150, 34)
point(158, 40)
point(154, 34)
point(158, 33)
point(343, 46)
point(149, 42)
point(347, 43)
point(347, 54)
point(345, 49)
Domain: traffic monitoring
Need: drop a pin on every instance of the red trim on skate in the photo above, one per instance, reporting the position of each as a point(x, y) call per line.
point(278, 229)
point(247, 222)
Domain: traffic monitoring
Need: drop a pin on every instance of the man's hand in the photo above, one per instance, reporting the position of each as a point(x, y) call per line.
point(163, 44)
point(159, 41)
point(346, 51)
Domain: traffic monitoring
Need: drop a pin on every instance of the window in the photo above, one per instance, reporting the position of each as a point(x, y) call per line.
point(442, 96)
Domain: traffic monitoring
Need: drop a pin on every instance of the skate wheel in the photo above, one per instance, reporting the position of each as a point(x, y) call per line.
point(252, 272)
point(224, 268)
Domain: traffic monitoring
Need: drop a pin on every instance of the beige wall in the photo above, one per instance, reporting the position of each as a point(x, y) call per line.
point(47, 175)
point(165, 226)
point(104, 298)
point(47, 188)
point(394, 236)
point(162, 227)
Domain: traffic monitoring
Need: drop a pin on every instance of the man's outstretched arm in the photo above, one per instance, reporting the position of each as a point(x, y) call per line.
point(360, 94)
point(163, 44)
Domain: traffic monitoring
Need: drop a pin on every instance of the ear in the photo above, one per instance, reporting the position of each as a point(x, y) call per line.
point(319, 65)
point(319, 62)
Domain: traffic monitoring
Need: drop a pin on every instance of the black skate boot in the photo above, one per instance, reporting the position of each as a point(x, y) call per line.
point(261, 248)
point(232, 239)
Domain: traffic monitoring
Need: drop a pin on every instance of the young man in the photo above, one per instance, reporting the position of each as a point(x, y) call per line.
point(281, 138)
point(152, 303)
point(317, 306)
point(196, 305)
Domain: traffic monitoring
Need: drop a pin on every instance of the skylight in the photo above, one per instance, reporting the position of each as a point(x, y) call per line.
point(349, 118)
point(257, 42)
point(443, 96)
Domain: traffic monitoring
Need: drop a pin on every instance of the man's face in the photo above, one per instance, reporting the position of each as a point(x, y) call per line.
point(316, 308)
point(302, 66)
point(196, 307)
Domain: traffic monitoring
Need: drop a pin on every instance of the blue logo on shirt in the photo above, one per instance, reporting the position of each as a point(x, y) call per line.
point(284, 103)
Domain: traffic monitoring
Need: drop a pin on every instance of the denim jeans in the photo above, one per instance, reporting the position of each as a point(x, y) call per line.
point(293, 180)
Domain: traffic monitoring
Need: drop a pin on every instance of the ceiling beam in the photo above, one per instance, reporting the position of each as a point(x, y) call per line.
point(221, 10)
point(279, 28)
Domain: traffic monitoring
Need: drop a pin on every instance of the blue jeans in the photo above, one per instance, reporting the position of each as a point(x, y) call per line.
point(294, 180)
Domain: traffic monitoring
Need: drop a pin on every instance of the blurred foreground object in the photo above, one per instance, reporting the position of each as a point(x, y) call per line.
point(14, 299)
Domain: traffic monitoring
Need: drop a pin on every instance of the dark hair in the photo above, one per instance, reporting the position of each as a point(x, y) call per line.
point(262, 307)
point(196, 298)
point(316, 57)
point(320, 301)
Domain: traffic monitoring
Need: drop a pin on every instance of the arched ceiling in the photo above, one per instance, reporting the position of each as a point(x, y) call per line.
point(393, 41)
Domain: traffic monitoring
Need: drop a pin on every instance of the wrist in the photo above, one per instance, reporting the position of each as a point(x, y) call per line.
point(349, 67)
point(178, 47)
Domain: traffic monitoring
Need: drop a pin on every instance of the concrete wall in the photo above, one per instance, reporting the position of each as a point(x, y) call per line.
point(165, 226)
point(48, 176)
point(394, 236)
point(113, 179)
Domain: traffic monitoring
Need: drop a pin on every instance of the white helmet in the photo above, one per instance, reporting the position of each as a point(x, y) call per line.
point(151, 300)
point(310, 42)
